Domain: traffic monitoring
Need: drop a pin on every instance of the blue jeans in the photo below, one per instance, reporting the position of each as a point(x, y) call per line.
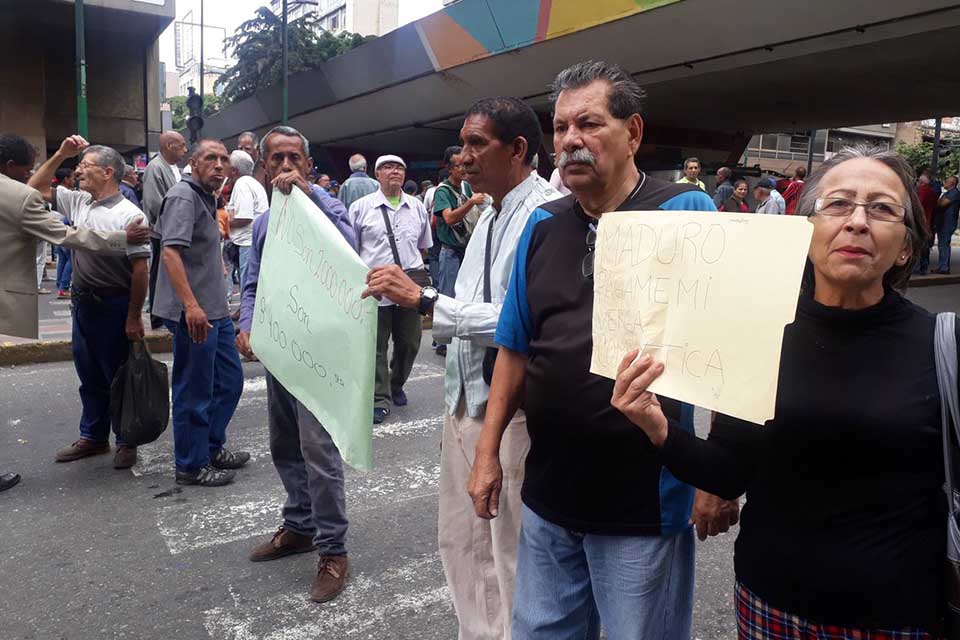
point(64, 268)
point(244, 257)
point(449, 268)
point(947, 225)
point(206, 385)
point(569, 584)
point(100, 346)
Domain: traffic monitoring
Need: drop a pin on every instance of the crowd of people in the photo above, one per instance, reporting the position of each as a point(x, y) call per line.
point(568, 503)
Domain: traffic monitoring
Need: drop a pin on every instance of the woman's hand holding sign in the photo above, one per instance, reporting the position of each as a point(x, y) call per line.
point(632, 398)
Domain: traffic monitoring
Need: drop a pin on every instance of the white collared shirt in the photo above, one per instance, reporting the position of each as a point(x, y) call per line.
point(466, 321)
point(411, 230)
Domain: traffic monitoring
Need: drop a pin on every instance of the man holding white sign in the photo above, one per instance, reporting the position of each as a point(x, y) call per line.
point(594, 492)
point(304, 454)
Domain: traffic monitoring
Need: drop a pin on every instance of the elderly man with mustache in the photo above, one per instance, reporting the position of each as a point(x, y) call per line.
point(605, 534)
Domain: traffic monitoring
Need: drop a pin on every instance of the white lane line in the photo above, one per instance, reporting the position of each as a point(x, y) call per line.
point(407, 428)
point(371, 606)
point(157, 457)
point(252, 510)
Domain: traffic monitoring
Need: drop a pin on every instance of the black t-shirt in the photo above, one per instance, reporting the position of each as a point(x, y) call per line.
point(845, 519)
point(589, 468)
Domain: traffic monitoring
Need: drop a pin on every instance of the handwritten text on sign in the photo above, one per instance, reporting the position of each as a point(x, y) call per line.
point(707, 294)
point(311, 330)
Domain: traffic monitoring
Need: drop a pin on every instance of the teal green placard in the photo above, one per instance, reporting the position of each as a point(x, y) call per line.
point(311, 330)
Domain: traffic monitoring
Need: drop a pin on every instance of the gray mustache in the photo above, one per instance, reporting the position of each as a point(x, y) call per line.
point(580, 156)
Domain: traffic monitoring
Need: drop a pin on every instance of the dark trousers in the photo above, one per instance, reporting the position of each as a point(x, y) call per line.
point(100, 346)
point(206, 385)
point(405, 326)
point(157, 252)
point(310, 469)
point(64, 268)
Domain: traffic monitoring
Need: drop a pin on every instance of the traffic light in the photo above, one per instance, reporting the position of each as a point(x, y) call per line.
point(195, 121)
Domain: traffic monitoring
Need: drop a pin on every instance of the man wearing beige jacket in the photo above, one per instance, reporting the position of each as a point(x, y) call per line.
point(24, 219)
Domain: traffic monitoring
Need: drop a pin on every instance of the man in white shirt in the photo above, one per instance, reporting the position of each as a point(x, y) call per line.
point(409, 226)
point(248, 199)
point(108, 291)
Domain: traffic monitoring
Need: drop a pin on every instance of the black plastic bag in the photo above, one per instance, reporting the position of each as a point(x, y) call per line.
point(140, 397)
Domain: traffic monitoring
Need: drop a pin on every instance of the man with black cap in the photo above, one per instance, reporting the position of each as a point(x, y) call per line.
point(393, 227)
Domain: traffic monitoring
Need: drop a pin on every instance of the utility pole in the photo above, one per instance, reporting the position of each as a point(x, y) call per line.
point(935, 160)
point(200, 109)
point(283, 41)
point(813, 138)
point(81, 62)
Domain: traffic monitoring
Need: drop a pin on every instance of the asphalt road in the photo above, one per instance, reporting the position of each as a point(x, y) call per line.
point(93, 553)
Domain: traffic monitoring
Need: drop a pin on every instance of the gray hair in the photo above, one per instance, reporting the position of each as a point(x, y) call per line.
point(284, 130)
point(242, 162)
point(914, 220)
point(358, 163)
point(107, 157)
point(128, 168)
point(249, 134)
point(625, 98)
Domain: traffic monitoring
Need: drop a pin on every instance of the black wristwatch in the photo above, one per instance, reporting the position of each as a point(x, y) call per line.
point(428, 297)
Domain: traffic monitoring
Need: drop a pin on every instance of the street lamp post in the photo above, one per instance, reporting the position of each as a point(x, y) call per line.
point(81, 54)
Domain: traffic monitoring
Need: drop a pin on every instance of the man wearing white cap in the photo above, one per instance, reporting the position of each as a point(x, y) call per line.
point(393, 228)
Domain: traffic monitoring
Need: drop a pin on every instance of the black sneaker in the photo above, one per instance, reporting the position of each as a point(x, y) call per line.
point(206, 477)
point(229, 459)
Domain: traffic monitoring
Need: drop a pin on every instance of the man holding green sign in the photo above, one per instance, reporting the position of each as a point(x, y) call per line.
point(295, 318)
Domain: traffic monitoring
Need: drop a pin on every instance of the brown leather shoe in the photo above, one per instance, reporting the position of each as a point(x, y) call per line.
point(283, 543)
point(81, 449)
point(332, 574)
point(125, 457)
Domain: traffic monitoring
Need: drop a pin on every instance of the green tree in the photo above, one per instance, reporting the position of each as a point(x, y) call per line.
point(919, 156)
point(178, 107)
point(258, 49)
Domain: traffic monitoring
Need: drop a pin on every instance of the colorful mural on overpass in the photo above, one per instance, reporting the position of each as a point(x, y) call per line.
point(474, 29)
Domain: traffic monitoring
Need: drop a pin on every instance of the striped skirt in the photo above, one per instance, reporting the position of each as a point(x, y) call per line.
point(757, 620)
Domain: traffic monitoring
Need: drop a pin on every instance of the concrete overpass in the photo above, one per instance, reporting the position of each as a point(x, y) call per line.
point(715, 71)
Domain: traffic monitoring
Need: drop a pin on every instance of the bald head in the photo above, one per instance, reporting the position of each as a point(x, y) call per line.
point(358, 163)
point(173, 147)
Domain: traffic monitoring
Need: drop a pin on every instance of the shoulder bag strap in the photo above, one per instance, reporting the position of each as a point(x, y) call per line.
point(486, 261)
point(393, 241)
point(945, 354)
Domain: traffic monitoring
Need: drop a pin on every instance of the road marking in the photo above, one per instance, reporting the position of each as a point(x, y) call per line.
point(407, 428)
point(252, 510)
point(371, 606)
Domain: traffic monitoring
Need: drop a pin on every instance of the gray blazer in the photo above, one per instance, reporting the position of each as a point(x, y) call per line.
point(157, 180)
point(24, 219)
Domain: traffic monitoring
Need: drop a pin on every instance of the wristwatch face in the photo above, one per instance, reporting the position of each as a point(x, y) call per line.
point(430, 293)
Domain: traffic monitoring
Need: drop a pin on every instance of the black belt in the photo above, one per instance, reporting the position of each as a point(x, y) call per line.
point(97, 293)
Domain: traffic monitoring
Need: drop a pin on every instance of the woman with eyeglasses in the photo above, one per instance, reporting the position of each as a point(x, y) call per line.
point(843, 534)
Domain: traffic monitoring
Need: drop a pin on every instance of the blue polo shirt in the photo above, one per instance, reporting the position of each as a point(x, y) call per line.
point(589, 468)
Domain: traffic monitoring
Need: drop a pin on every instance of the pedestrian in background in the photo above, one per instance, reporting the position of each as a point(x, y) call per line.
point(392, 227)
point(128, 185)
point(359, 184)
point(248, 201)
point(162, 172)
point(304, 455)
point(768, 198)
point(725, 187)
point(844, 529)
point(207, 377)
point(946, 223)
point(109, 291)
point(793, 190)
point(691, 174)
point(65, 178)
point(737, 202)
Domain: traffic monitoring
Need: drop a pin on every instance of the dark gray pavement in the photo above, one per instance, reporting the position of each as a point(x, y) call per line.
point(87, 552)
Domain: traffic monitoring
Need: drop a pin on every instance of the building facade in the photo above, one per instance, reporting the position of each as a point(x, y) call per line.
point(366, 17)
point(38, 71)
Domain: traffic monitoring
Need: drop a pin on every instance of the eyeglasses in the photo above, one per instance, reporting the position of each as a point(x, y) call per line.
point(842, 207)
point(86, 165)
point(586, 267)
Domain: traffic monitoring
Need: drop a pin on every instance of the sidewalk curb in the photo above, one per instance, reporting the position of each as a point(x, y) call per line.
point(62, 350)
point(934, 280)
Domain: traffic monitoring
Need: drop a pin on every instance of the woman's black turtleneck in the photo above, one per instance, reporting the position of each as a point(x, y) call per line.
point(845, 519)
